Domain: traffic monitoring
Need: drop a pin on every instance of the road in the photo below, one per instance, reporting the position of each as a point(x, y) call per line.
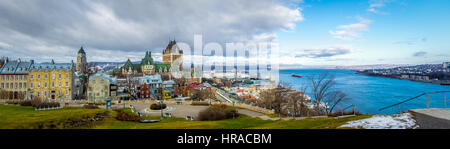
point(433, 118)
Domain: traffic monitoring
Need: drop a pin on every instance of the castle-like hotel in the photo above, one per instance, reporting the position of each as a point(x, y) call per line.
point(147, 79)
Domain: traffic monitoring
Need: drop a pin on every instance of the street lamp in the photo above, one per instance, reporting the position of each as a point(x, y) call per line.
point(161, 102)
point(233, 110)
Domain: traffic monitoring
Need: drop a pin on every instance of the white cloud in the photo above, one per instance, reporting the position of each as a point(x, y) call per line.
point(351, 31)
point(375, 5)
point(121, 29)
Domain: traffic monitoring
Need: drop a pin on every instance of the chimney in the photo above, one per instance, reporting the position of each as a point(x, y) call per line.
point(32, 62)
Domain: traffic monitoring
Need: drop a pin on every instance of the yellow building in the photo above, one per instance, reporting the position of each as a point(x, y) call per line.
point(51, 80)
point(13, 78)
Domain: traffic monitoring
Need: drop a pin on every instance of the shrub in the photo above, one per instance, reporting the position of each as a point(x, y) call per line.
point(123, 115)
point(26, 103)
point(217, 112)
point(340, 112)
point(200, 103)
point(90, 107)
point(36, 102)
point(157, 106)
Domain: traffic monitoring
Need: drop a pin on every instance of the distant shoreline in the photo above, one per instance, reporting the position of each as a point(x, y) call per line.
point(440, 82)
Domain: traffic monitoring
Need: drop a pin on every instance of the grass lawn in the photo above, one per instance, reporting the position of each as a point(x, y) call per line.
point(243, 122)
point(25, 117)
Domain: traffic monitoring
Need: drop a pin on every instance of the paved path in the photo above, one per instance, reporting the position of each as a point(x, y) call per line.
point(432, 118)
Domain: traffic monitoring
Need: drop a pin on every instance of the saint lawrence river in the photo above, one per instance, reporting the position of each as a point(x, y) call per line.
point(369, 94)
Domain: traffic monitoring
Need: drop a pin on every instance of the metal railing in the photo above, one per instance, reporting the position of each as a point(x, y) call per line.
point(415, 97)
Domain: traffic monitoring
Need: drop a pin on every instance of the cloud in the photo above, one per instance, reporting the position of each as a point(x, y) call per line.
point(412, 41)
point(351, 31)
point(375, 5)
point(58, 28)
point(323, 52)
point(420, 54)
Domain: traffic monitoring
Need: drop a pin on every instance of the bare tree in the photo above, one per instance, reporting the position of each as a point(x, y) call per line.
point(335, 98)
point(320, 88)
point(274, 98)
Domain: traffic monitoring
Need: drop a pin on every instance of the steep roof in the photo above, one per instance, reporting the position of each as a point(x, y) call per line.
point(129, 65)
point(81, 50)
point(172, 47)
point(150, 79)
point(15, 67)
point(51, 66)
point(104, 76)
point(147, 59)
point(162, 67)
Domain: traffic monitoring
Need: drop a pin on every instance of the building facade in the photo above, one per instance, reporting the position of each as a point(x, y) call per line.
point(52, 80)
point(101, 87)
point(14, 78)
point(149, 86)
point(146, 67)
point(173, 55)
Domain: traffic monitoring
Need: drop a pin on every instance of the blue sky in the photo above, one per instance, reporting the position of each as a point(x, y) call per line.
point(309, 32)
point(387, 32)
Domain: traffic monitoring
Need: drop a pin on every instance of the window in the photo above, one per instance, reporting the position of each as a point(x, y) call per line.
point(59, 83)
point(53, 84)
point(31, 77)
point(45, 94)
point(67, 75)
point(53, 76)
point(24, 85)
point(39, 85)
point(59, 76)
point(17, 77)
point(45, 84)
point(67, 92)
point(24, 77)
point(16, 85)
point(7, 85)
point(20, 85)
point(46, 76)
point(67, 84)
point(31, 85)
point(59, 93)
point(39, 76)
point(3, 85)
point(3, 77)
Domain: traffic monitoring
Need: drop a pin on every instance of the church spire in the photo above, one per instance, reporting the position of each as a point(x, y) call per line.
point(81, 50)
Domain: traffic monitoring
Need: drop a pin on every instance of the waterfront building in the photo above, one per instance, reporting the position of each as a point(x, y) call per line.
point(101, 87)
point(149, 86)
point(82, 65)
point(52, 80)
point(14, 78)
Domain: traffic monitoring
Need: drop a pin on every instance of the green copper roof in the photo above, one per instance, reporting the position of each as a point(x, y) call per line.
point(81, 50)
point(147, 59)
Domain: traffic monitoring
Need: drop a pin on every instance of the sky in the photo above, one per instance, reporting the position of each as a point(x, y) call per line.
point(309, 32)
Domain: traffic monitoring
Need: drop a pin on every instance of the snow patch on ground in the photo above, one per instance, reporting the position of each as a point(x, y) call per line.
point(398, 121)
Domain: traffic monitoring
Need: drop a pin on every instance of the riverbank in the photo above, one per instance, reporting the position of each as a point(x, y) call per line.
point(440, 82)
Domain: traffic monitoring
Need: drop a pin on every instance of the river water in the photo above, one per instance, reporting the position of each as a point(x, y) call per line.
point(369, 94)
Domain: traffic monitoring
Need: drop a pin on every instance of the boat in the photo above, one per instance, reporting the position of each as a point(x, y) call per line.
point(297, 76)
